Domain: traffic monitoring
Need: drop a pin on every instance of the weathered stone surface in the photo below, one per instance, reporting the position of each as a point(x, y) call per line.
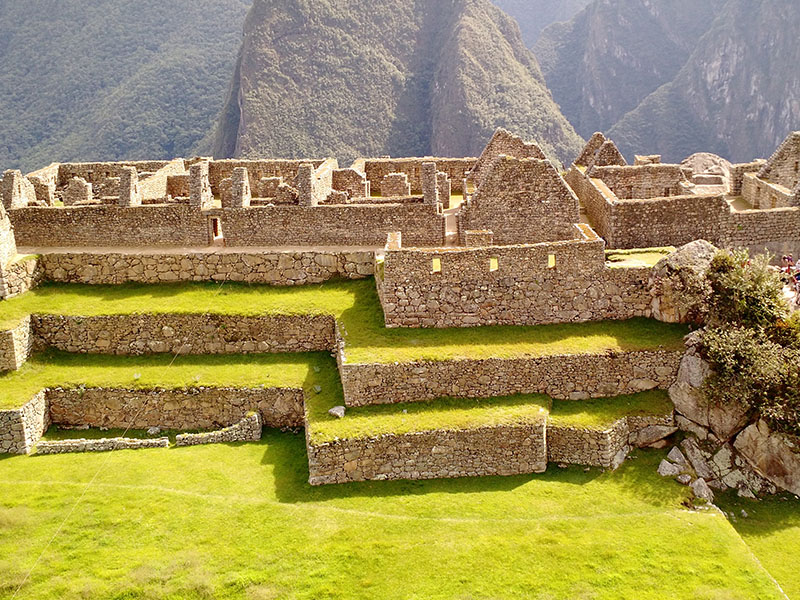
point(101, 445)
point(696, 459)
point(774, 456)
point(667, 469)
point(338, 412)
point(652, 434)
point(701, 490)
point(249, 429)
point(685, 392)
point(676, 456)
point(678, 284)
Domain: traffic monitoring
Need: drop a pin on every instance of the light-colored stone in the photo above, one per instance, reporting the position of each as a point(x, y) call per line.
point(774, 456)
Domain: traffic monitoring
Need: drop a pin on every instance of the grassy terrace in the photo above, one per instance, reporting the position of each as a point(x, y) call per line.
point(355, 304)
point(239, 521)
point(459, 413)
point(646, 257)
point(59, 369)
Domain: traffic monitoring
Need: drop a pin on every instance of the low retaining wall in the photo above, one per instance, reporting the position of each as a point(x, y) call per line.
point(186, 409)
point(507, 450)
point(102, 445)
point(246, 430)
point(276, 268)
point(18, 277)
point(571, 377)
point(20, 429)
point(176, 333)
point(16, 345)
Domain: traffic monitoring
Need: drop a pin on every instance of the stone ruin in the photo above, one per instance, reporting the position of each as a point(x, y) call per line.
point(502, 239)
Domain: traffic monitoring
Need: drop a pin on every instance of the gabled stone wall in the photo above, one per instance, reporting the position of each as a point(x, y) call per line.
point(641, 182)
point(522, 201)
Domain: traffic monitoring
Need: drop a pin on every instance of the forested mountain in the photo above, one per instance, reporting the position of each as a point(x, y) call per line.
point(105, 79)
point(680, 76)
point(738, 95)
point(342, 78)
point(534, 15)
point(613, 54)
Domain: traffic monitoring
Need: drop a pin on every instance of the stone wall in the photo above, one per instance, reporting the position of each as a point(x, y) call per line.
point(19, 276)
point(522, 201)
point(605, 448)
point(502, 450)
point(176, 333)
point(512, 285)
point(738, 172)
point(571, 377)
point(354, 183)
point(341, 225)
point(596, 200)
point(783, 167)
point(762, 194)
point(182, 409)
point(16, 345)
point(21, 428)
point(776, 231)
point(98, 172)
point(256, 170)
point(112, 226)
point(376, 169)
point(503, 143)
point(276, 268)
point(246, 430)
point(671, 221)
point(101, 445)
point(641, 182)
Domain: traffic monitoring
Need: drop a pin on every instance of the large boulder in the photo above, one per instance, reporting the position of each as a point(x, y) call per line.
point(724, 420)
point(705, 163)
point(678, 284)
point(774, 456)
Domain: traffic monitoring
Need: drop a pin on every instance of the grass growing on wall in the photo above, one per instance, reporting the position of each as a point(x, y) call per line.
point(239, 521)
point(61, 369)
point(462, 413)
point(355, 304)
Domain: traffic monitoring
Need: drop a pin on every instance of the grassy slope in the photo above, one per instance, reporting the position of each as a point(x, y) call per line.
point(356, 305)
point(453, 413)
point(239, 521)
point(108, 79)
point(60, 369)
point(772, 530)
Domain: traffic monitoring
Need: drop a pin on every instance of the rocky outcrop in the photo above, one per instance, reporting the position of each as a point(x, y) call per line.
point(678, 284)
point(774, 456)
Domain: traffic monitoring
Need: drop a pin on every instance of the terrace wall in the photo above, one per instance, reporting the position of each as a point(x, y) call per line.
point(776, 231)
point(275, 268)
point(570, 377)
point(21, 428)
point(185, 334)
point(504, 450)
point(20, 276)
point(16, 345)
point(183, 409)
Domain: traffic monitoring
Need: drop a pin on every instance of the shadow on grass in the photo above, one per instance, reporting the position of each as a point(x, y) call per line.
point(764, 517)
point(286, 454)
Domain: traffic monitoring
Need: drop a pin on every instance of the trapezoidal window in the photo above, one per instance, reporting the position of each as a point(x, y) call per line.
point(494, 264)
point(551, 261)
point(215, 230)
point(436, 265)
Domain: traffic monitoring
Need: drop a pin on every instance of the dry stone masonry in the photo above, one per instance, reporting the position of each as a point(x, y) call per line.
point(527, 246)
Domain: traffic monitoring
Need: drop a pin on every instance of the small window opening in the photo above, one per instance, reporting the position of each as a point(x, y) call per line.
point(494, 264)
point(666, 192)
point(436, 265)
point(551, 261)
point(796, 166)
point(216, 230)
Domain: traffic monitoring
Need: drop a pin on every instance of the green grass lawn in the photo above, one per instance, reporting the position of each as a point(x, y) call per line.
point(644, 257)
point(460, 413)
point(772, 531)
point(356, 305)
point(52, 368)
point(239, 521)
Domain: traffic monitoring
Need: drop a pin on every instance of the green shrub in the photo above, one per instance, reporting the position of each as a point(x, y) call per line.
point(745, 291)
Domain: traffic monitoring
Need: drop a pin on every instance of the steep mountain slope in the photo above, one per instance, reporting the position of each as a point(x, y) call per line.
point(534, 16)
point(344, 78)
point(108, 79)
point(614, 53)
point(738, 95)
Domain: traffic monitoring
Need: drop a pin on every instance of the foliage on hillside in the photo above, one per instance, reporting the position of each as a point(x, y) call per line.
point(752, 343)
point(342, 78)
point(735, 96)
point(605, 61)
point(108, 79)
